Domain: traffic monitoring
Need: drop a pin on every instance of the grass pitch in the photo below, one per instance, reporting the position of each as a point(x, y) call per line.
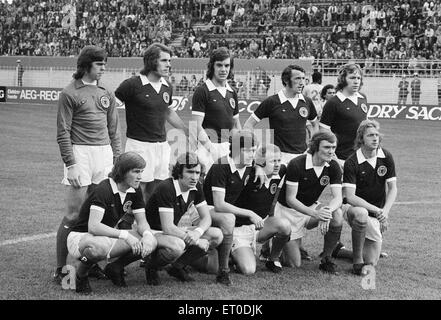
point(32, 203)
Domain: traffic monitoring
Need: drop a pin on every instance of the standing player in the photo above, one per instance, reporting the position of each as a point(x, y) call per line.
point(306, 178)
point(370, 189)
point(95, 236)
point(148, 100)
point(222, 186)
point(288, 112)
point(88, 137)
point(173, 202)
point(215, 109)
point(343, 113)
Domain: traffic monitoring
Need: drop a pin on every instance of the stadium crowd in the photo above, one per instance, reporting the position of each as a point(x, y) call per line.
point(370, 30)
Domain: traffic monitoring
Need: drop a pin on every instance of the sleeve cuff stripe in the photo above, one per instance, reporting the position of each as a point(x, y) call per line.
point(337, 185)
point(203, 203)
point(391, 179)
point(255, 117)
point(236, 116)
point(218, 189)
point(349, 185)
point(162, 209)
point(198, 113)
point(93, 207)
point(140, 210)
point(290, 183)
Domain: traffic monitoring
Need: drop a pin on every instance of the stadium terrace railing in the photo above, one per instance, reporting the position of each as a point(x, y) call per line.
point(381, 80)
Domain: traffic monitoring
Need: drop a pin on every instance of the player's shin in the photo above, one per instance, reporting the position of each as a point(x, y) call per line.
point(358, 239)
point(331, 239)
point(279, 242)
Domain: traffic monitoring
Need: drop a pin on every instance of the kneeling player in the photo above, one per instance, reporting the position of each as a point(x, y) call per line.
point(258, 200)
point(370, 188)
point(95, 236)
point(179, 242)
point(306, 178)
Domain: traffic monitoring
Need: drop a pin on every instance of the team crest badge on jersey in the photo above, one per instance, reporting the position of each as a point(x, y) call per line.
point(127, 206)
point(232, 103)
point(382, 170)
point(105, 101)
point(324, 181)
point(303, 112)
point(273, 188)
point(166, 97)
point(364, 108)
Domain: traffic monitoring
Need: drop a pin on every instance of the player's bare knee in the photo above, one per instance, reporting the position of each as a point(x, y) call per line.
point(216, 237)
point(95, 252)
point(360, 215)
point(176, 246)
point(283, 227)
point(247, 269)
point(227, 222)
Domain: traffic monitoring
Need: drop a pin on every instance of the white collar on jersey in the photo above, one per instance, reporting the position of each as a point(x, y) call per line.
point(361, 158)
point(115, 190)
point(267, 182)
point(353, 98)
point(309, 164)
point(145, 80)
point(233, 167)
point(283, 98)
point(211, 86)
point(178, 188)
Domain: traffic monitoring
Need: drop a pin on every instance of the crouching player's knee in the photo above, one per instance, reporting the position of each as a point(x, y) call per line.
point(214, 236)
point(337, 218)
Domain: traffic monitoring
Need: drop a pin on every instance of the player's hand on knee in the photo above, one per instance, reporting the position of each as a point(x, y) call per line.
point(147, 247)
point(324, 226)
point(204, 244)
point(133, 242)
point(381, 216)
point(257, 221)
point(192, 237)
point(324, 214)
point(73, 176)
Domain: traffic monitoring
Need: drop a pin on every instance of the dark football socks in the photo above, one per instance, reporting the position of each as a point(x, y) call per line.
point(61, 245)
point(331, 239)
point(358, 237)
point(192, 253)
point(224, 251)
point(278, 244)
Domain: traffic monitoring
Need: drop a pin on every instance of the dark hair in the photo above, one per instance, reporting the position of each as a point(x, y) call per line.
point(241, 138)
point(317, 77)
point(186, 160)
point(318, 137)
point(151, 57)
point(124, 163)
point(344, 71)
point(287, 72)
point(87, 56)
point(325, 90)
point(220, 54)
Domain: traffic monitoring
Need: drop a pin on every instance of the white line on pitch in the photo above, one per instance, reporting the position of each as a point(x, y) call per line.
point(416, 202)
point(29, 238)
